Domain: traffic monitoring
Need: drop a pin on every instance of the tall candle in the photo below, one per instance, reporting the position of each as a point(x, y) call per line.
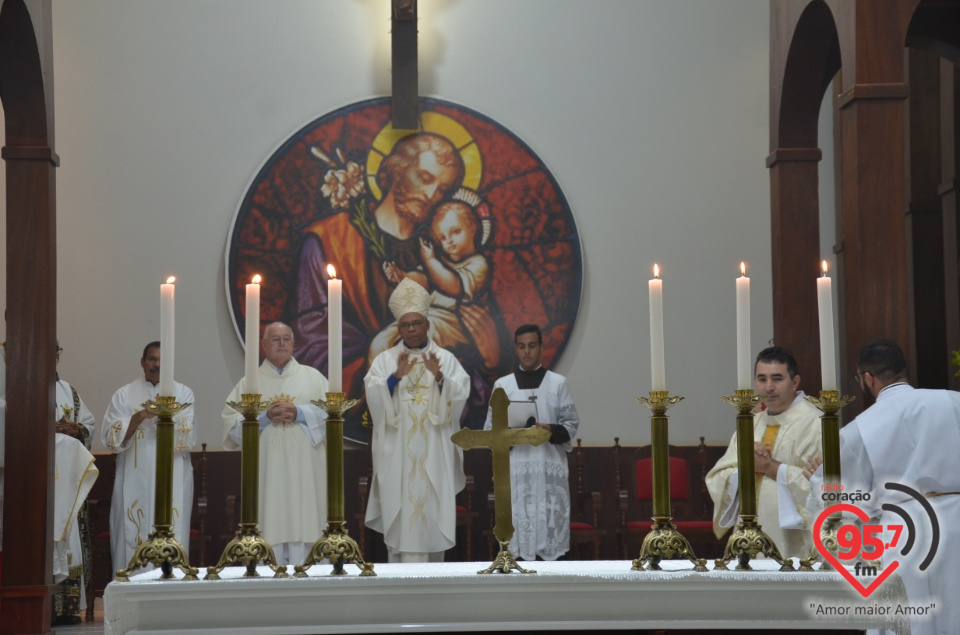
point(335, 330)
point(655, 291)
point(251, 357)
point(828, 355)
point(744, 373)
point(166, 338)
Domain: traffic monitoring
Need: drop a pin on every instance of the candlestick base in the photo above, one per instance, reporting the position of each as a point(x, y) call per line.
point(162, 550)
point(663, 542)
point(249, 549)
point(338, 547)
point(828, 538)
point(505, 562)
point(746, 541)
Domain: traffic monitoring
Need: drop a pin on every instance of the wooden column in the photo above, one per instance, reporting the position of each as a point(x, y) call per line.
point(874, 201)
point(795, 234)
point(26, 81)
point(949, 150)
point(929, 361)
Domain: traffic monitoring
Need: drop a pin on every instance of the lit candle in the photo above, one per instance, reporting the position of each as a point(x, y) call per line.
point(655, 290)
point(251, 357)
point(166, 338)
point(828, 355)
point(335, 330)
point(744, 374)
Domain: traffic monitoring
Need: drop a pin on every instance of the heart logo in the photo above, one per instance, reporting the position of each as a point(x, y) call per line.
point(832, 559)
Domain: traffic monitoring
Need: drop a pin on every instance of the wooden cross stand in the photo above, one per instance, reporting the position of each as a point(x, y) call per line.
point(499, 440)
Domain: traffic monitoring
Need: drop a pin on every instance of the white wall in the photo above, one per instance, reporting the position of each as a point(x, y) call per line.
point(651, 114)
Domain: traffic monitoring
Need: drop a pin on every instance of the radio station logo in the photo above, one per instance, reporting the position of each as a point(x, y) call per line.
point(866, 547)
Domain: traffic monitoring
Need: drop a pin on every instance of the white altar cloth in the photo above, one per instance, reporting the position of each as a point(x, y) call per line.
point(601, 595)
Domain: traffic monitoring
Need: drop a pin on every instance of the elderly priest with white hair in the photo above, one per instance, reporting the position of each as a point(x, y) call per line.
point(293, 460)
point(416, 392)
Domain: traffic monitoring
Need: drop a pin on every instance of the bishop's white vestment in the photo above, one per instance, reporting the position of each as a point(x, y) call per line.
point(417, 469)
point(134, 487)
point(539, 476)
point(293, 459)
point(911, 437)
point(796, 440)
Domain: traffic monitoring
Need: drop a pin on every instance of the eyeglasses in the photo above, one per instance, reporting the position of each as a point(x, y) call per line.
point(59, 350)
point(857, 377)
point(280, 340)
point(410, 325)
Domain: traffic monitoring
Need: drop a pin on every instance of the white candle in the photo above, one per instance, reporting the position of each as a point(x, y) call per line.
point(166, 338)
point(828, 355)
point(744, 371)
point(655, 290)
point(251, 357)
point(335, 330)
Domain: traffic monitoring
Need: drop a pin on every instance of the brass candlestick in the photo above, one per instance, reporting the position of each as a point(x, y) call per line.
point(748, 538)
point(162, 549)
point(829, 403)
point(499, 439)
point(663, 540)
point(335, 544)
point(248, 547)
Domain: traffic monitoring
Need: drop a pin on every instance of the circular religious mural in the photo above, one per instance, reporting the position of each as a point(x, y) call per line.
point(460, 205)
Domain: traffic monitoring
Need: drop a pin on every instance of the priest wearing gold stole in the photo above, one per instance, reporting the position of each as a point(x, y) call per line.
point(786, 435)
point(416, 392)
point(293, 459)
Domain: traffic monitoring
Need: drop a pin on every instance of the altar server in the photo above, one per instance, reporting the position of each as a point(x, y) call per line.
point(416, 392)
point(786, 435)
point(293, 453)
point(539, 476)
point(130, 431)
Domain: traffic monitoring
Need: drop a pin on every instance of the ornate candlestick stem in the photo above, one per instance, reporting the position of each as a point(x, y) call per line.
point(830, 402)
point(162, 549)
point(663, 539)
point(335, 544)
point(748, 538)
point(248, 547)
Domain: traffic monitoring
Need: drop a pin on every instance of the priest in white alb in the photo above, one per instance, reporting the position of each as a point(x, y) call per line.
point(898, 460)
point(786, 435)
point(130, 431)
point(539, 475)
point(416, 392)
point(293, 453)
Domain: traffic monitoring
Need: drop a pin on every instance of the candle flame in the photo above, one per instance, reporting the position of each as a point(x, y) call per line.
point(656, 270)
point(743, 268)
point(256, 279)
point(824, 268)
point(331, 271)
point(171, 279)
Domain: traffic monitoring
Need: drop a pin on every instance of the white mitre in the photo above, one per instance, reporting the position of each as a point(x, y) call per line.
point(409, 297)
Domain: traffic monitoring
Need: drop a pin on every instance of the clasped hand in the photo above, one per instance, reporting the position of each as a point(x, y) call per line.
point(282, 412)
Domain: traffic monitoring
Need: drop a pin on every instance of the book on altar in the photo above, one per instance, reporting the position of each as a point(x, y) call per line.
point(521, 414)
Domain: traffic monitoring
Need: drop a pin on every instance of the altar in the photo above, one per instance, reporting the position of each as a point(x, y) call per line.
point(588, 595)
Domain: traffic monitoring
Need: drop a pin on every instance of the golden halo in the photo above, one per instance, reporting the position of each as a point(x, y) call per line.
point(435, 123)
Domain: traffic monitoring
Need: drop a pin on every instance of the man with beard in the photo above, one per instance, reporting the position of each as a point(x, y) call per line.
point(908, 438)
point(420, 170)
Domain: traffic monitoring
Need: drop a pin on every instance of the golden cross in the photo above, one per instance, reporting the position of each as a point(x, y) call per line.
point(499, 440)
